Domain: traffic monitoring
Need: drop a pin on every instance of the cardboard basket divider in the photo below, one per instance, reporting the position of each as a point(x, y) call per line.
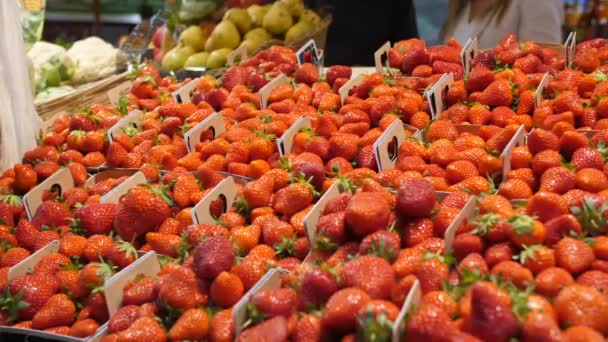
point(239, 54)
point(437, 95)
point(266, 90)
point(345, 89)
point(538, 94)
point(147, 265)
point(225, 190)
point(317, 55)
point(411, 302)
point(108, 174)
point(311, 219)
point(184, 94)
point(27, 265)
point(465, 213)
point(135, 119)
point(215, 122)
point(378, 54)
point(570, 46)
point(270, 280)
point(115, 93)
point(62, 178)
point(114, 195)
point(468, 53)
point(285, 142)
point(518, 139)
point(393, 133)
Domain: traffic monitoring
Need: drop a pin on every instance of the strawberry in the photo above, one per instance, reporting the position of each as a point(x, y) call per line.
point(366, 213)
point(540, 140)
point(573, 255)
point(51, 263)
point(97, 247)
point(178, 289)
point(84, 328)
point(143, 329)
point(35, 290)
point(579, 304)
point(382, 243)
point(491, 319)
point(337, 71)
point(413, 57)
point(479, 78)
point(193, 324)
point(307, 73)
point(431, 271)
point(123, 318)
point(557, 179)
point(13, 256)
point(122, 254)
point(212, 256)
point(415, 198)
point(143, 209)
point(316, 287)
point(96, 218)
point(357, 273)
point(26, 234)
point(274, 329)
point(58, 310)
point(546, 205)
point(293, 198)
point(431, 323)
point(275, 302)
point(587, 157)
point(139, 291)
point(25, 177)
point(51, 214)
point(341, 309)
point(235, 75)
point(93, 275)
point(182, 189)
point(497, 93)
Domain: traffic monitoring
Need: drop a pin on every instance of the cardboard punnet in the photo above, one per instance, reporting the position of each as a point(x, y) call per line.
point(215, 122)
point(148, 265)
point(133, 119)
point(10, 334)
point(394, 133)
point(538, 94)
point(225, 190)
point(316, 54)
point(285, 142)
point(518, 139)
point(345, 89)
point(311, 219)
point(468, 53)
point(570, 45)
point(270, 280)
point(411, 302)
point(115, 93)
point(465, 213)
point(61, 180)
point(265, 91)
point(108, 174)
point(114, 195)
point(239, 54)
point(184, 94)
point(383, 50)
point(27, 265)
point(437, 95)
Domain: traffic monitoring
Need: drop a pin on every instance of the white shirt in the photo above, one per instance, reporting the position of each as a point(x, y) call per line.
point(536, 20)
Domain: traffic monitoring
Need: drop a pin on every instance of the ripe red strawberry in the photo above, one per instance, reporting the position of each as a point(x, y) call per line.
point(235, 75)
point(372, 274)
point(123, 318)
point(51, 214)
point(308, 329)
point(479, 78)
point(274, 329)
point(413, 57)
point(338, 71)
point(340, 312)
point(26, 234)
point(36, 290)
point(275, 302)
point(212, 256)
point(491, 319)
point(431, 323)
point(557, 179)
point(139, 291)
point(143, 329)
point(383, 243)
point(331, 231)
point(317, 286)
point(142, 210)
point(51, 263)
point(192, 325)
point(540, 140)
point(184, 186)
point(366, 213)
point(293, 198)
point(93, 275)
point(178, 289)
point(58, 310)
point(307, 73)
point(498, 93)
point(415, 198)
point(96, 218)
point(441, 67)
point(122, 254)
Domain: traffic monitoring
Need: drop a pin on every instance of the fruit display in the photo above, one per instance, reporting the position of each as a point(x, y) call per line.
point(283, 201)
point(208, 45)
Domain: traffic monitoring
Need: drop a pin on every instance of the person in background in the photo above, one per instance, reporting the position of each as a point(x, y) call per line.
point(491, 20)
point(359, 29)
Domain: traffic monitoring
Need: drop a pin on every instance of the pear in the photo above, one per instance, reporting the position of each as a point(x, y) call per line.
point(257, 13)
point(193, 36)
point(298, 30)
point(278, 20)
point(224, 35)
point(295, 7)
point(256, 38)
point(217, 58)
point(240, 18)
point(175, 58)
point(311, 17)
point(197, 60)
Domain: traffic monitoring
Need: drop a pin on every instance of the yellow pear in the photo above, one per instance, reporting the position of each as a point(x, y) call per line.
point(295, 7)
point(217, 58)
point(224, 35)
point(197, 60)
point(311, 17)
point(193, 36)
point(278, 20)
point(257, 13)
point(298, 30)
point(175, 58)
point(256, 38)
point(240, 18)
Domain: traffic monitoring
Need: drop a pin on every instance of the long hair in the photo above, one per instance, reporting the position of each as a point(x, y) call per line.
point(456, 8)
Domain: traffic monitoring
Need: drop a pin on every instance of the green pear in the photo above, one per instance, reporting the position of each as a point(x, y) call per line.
point(257, 13)
point(224, 35)
point(311, 17)
point(175, 58)
point(256, 38)
point(197, 60)
point(295, 7)
point(298, 30)
point(278, 20)
point(240, 18)
point(217, 58)
point(193, 36)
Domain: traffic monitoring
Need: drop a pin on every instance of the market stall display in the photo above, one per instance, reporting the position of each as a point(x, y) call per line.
point(446, 194)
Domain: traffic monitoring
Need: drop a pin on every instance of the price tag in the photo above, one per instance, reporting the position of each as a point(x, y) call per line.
point(309, 53)
point(269, 87)
point(285, 142)
point(215, 122)
point(345, 89)
point(60, 181)
point(383, 50)
point(538, 94)
point(184, 94)
point(394, 133)
point(134, 119)
point(239, 54)
point(311, 219)
point(27, 265)
point(225, 190)
point(437, 95)
point(468, 53)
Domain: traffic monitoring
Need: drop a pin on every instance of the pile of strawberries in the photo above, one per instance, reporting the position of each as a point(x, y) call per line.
point(490, 226)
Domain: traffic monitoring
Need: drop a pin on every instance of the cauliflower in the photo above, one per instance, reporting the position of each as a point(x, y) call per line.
point(94, 59)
